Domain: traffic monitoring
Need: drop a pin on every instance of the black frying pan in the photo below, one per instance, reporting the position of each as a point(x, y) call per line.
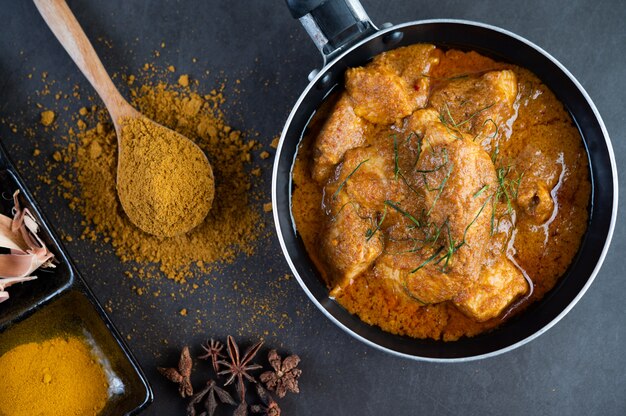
point(346, 38)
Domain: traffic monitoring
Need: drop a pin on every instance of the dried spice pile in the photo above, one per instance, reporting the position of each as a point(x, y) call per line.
point(237, 369)
point(230, 227)
point(164, 181)
point(59, 376)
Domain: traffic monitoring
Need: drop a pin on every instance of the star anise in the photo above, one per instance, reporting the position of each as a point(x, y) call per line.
point(181, 374)
point(269, 406)
point(213, 352)
point(239, 367)
point(242, 409)
point(285, 376)
point(208, 393)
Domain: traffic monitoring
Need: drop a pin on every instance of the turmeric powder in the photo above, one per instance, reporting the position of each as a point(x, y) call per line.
point(58, 376)
point(164, 181)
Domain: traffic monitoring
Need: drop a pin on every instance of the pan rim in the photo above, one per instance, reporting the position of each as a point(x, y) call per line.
point(573, 302)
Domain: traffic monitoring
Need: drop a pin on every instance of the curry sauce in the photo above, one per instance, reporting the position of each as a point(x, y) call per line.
point(440, 192)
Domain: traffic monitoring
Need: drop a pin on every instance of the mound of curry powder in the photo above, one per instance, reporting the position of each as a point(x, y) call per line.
point(231, 226)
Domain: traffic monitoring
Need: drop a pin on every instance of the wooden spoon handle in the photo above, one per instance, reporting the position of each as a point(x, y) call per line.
point(66, 28)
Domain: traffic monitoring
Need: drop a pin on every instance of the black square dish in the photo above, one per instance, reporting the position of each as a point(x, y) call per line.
point(59, 302)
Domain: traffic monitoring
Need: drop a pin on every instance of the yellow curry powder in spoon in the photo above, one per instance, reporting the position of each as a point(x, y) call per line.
point(164, 181)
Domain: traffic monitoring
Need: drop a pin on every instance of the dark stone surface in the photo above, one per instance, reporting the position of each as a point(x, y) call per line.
point(578, 367)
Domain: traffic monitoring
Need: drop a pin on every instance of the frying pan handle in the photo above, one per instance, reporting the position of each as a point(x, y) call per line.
point(333, 25)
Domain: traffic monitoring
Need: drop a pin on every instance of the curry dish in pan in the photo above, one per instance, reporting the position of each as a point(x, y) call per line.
point(440, 192)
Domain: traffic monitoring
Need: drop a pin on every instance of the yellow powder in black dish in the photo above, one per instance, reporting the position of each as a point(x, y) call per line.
point(56, 377)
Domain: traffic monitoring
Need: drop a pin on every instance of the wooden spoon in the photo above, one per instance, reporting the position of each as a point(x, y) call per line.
point(164, 181)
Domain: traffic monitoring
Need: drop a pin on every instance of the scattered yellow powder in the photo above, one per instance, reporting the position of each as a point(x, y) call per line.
point(264, 155)
point(267, 207)
point(275, 141)
point(95, 150)
point(171, 68)
point(183, 80)
point(83, 111)
point(47, 117)
point(36, 152)
point(183, 312)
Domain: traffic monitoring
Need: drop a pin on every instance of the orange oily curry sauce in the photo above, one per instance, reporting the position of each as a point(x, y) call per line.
point(440, 192)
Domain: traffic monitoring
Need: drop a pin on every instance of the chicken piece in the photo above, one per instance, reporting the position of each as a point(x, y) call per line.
point(367, 175)
point(496, 288)
point(388, 89)
point(535, 199)
point(480, 106)
point(393, 85)
point(413, 63)
point(456, 178)
point(342, 131)
point(379, 95)
point(346, 247)
point(427, 125)
point(542, 166)
point(354, 202)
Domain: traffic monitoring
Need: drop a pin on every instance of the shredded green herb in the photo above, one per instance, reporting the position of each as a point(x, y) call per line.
point(432, 238)
point(480, 191)
point(474, 115)
point(450, 250)
point(495, 153)
point(428, 260)
point(370, 233)
point(475, 218)
point(343, 183)
point(507, 187)
point(403, 212)
point(461, 76)
point(495, 133)
point(444, 163)
point(453, 127)
point(354, 205)
point(452, 246)
point(507, 190)
point(439, 189)
point(406, 289)
point(406, 182)
point(396, 168)
point(450, 115)
point(451, 130)
point(418, 153)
